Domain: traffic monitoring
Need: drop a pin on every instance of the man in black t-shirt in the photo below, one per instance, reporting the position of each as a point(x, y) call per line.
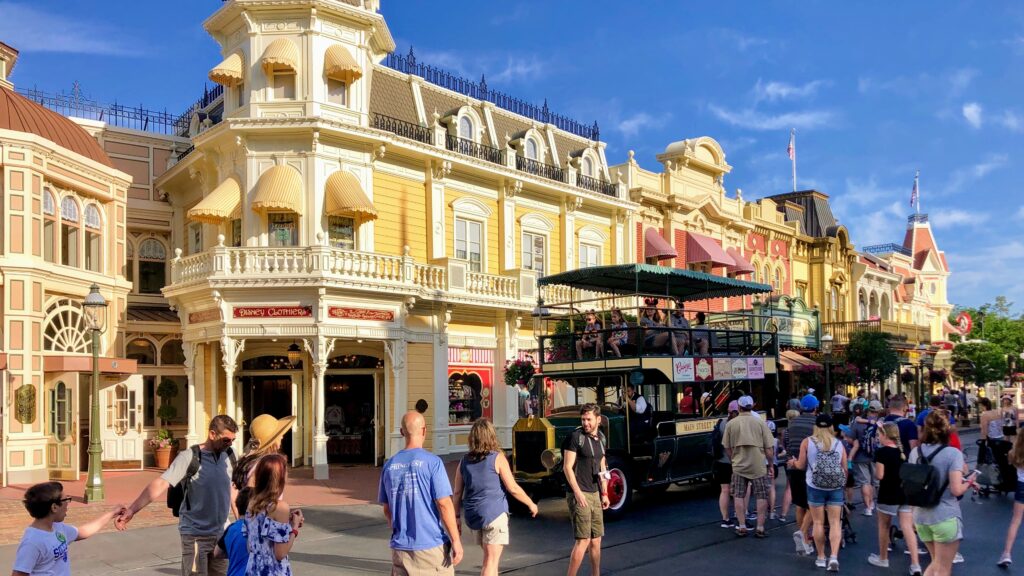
point(586, 474)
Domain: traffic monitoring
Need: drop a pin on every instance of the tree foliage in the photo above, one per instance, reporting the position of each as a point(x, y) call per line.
point(995, 340)
point(873, 355)
point(989, 360)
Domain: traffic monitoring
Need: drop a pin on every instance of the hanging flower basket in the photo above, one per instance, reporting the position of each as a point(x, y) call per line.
point(519, 372)
point(907, 376)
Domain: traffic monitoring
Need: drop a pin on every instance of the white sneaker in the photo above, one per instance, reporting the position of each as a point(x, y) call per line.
point(798, 539)
point(1005, 561)
point(820, 563)
point(869, 511)
point(808, 548)
point(958, 559)
point(920, 551)
point(915, 570)
point(876, 560)
point(833, 564)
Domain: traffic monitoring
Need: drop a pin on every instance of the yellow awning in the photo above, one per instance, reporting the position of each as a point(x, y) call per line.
point(219, 205)
point(344, 195)
point(229, 72)
point(340, 65)
point(281, 52)
point(279, 188)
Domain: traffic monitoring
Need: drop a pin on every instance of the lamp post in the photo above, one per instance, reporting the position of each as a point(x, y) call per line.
point(95, 318)
point(826, 349)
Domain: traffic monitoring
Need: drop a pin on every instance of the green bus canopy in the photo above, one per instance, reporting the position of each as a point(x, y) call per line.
point(685, 285)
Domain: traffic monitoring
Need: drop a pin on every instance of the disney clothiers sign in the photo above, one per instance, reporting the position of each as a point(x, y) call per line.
point(273, 311)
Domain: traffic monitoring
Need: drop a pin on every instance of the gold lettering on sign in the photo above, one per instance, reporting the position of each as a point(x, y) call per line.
point(201, 316)
point(273, 311)
point(361, 314)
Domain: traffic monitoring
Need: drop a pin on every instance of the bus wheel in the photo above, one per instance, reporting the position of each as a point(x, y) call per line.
point(620, 488)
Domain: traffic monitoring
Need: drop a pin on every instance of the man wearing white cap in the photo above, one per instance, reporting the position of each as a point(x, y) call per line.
point(749, 444)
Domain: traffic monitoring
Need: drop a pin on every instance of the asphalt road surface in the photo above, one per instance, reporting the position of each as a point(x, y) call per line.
point(672, 533)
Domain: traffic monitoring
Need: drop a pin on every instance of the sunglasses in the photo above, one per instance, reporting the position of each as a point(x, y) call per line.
point(63, 500)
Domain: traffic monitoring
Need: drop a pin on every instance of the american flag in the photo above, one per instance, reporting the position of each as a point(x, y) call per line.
point(791, 149)
point(915, 192)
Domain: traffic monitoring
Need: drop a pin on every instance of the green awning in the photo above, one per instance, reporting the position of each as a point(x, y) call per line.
point(654, 280)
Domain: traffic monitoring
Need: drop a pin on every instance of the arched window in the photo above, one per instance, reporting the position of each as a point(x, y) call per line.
point(587, 166)
point(93, 238)
point(466, 128)
point(172, 353)
point(531, 148)
point(862, 306)
point(142, 351)
point(152, 266)
point(65, 328)
point(60, 411)
point(49, 227)
point(69, 231)
point(767, 278)
point(834, 303)
point(753, 274)
point(778, 280)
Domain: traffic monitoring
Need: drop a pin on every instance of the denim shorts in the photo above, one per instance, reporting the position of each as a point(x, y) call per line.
point(818, 498)
point(1019, 496)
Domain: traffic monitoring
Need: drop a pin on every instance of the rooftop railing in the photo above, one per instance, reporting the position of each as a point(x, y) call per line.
point(470, 148)
point(136, 118)
point(541, 169)
point(402, 128)
point(596, 185)
point(887, 249)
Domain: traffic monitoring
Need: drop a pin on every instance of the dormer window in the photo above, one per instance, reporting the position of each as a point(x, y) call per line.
point(531, 148)
point(466, 128)
point(281, 65)
point(587, 166)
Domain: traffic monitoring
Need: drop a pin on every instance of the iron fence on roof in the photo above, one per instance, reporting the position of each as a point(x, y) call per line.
point(137, 118)
point(181, 123)
point(886, 249)
point(479, 90)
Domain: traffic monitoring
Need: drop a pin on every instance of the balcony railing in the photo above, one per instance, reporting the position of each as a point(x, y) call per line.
point(492, 285)
point(841, 331)
point(540, 169)
point(887, 249)
point(136, 118)
point(470, 148)
point(596, 185)
point(402, 128)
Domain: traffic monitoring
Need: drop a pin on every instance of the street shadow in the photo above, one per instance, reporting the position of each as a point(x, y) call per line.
point(342, 562)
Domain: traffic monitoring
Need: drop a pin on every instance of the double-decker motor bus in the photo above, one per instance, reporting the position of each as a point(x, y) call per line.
point(687, 373)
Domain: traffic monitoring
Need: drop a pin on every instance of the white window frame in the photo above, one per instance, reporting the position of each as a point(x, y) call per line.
point(333, 97)
point(470, 221)
point(546, 260)
point(536, 149)
point(466, 122)
point(281, 73)
point(195, 237)
point(584, 250)
point(587, 166)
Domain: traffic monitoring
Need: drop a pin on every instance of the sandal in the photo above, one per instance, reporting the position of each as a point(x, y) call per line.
point(760, 534)
point(741, 532)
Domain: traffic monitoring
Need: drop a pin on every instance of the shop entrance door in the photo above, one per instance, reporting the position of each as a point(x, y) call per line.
point(121, 423)
point(61, 429)
point(351, 416)
point(269, 394)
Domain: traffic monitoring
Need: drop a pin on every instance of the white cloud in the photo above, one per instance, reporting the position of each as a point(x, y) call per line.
point(773, 91)
point(951, 84)
point(972, 280)
point(752, 119)
point(972, 113)
point(1011, 121)
point(739, 40)
point(518, 69)
point(963, 176)
point(31, 30)
point(632, 125)
point(1020, 213)
point(954, 217)
point(874, 214)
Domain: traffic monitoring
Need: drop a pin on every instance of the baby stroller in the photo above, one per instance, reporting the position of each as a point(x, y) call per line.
point(993, 477)
point(849, 534)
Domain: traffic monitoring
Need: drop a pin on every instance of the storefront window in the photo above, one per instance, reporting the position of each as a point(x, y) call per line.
point(342, 232)
point(283, 228)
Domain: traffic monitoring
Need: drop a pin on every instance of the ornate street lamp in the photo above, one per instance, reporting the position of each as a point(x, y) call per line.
point(826, 349)
point(95, 318)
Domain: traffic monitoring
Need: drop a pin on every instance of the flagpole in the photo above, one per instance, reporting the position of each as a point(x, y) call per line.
point(917, 177)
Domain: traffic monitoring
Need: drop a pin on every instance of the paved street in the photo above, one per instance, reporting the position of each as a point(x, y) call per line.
point(669, 534)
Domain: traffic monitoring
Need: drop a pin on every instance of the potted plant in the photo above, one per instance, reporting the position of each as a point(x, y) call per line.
point(164, 446)
point(167, 390)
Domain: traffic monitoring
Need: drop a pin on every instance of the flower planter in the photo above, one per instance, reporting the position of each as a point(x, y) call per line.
point(163, 457)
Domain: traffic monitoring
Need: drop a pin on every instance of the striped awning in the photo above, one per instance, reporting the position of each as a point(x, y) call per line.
point(279, 188)
point(281, 53)
point(742, 265)
point(229, 72)
point(343, 195)
point(340, 65)
point(790, 361)
point(219, 205)
point(701, 248)
point(657, 247)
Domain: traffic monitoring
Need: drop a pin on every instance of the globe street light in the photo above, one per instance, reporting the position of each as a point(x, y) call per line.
point(95, 319)
point(826, 349)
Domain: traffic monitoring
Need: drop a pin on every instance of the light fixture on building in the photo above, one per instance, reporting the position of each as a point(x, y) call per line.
point(294, 354)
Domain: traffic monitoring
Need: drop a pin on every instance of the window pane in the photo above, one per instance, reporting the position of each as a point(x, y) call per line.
point(69, 209)
point(48, 248)
point(531, 149)
point(141, 350)
point(240, 91)
point(336, 91)
point(195, 238)
point(342, 232)
point(172, 353)
point(151, 277)
point(69, 245)
point(149, 401)
point(284, 86)
point(236, 232)
point(284, 229)
point(92, 251)
point(465, 128)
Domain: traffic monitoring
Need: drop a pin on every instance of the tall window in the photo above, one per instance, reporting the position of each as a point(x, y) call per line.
point(240, 92)
point(141, 350)
point(469, 243)
point(152, 266)
point(93, 238)
point(753, 275)
point(60, 411)
point(590, 255)
point(283, 228)
point(534, 252)
point(195, 238)
point(342, 232)
point(129, 262)
point(49, 227)
point(767, 278)
point(465, 128)
point(587, 166)
point(778, 280)
point(69, 231)
point(834, 303)
point(236, 232)
point(283, 84)
point(172, 353)
point(531, 148)
point(336, 92)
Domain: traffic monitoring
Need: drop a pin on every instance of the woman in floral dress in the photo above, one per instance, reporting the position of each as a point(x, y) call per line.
point(270, 527)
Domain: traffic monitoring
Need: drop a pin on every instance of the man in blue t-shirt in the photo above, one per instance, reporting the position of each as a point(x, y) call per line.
point(908, 430)
point(417, 500)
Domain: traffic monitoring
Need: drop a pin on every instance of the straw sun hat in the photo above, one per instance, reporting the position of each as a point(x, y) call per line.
point(268, 430)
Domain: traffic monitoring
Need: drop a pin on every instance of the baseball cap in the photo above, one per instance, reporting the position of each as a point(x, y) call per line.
point(771, 425)
point(734, 406)
point(874, 406)
point(809, 403)
point(810, 390)
point(745, 402)
point(823, 421)
point(845, 429)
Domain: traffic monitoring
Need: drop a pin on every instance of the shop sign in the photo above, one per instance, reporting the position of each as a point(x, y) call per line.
point(739, 368)
point(703, 369)
point(755, 368)
point(25, 404)
point(361, 314)
point(723, 368)
point(963, 368)
point(273, 311)
point(682, 370)
point(211, 315)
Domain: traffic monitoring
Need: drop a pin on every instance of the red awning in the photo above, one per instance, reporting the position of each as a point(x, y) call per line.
point(657, 247)
point(700, 248)
point(742, 265)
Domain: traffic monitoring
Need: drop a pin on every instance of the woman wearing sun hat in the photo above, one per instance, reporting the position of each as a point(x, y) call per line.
point(265, 433)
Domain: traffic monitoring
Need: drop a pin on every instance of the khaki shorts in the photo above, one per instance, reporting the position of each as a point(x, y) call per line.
point(197, 556)
point(494, 533)
point(587, 522)
point(431, 561)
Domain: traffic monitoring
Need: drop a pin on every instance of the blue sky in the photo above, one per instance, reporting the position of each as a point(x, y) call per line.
point(875, 90)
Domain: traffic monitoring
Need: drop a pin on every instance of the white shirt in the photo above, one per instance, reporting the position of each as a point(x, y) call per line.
point(45, 553)
point(641, 405)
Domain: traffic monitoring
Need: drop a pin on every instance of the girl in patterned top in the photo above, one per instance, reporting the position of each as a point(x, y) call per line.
point(620, 332)
point(591, 337)
point(270, 527)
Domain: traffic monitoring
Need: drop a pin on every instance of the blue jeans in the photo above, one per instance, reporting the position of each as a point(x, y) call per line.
point(818, 498)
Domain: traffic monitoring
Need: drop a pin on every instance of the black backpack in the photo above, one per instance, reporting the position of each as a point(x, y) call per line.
point(923, 484)
point(178, 494)
point(716, 448)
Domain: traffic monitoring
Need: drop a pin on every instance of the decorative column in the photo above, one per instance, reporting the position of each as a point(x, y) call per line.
point(436, 210)
point(619, 239)
point(507, 228)
point(189, 348)
point(568, 232)
point(319, 355)
point(396, 352)
point(440, 337)
point(505, 399)
point(230, 350)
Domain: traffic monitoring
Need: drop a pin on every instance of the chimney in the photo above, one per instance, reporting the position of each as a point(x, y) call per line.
point(8, 57)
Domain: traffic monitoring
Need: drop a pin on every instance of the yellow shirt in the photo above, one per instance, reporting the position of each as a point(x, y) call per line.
point(748, 437)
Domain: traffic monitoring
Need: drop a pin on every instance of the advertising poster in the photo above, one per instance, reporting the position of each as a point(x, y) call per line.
point(682, 370)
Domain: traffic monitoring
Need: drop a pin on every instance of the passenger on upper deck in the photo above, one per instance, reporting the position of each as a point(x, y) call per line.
point(653, 322)
point(620, 332)
point(701, 338)
point(680, 338)
point(591, 337)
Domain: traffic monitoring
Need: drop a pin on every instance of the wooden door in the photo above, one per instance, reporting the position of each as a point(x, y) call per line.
point(61, 429)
